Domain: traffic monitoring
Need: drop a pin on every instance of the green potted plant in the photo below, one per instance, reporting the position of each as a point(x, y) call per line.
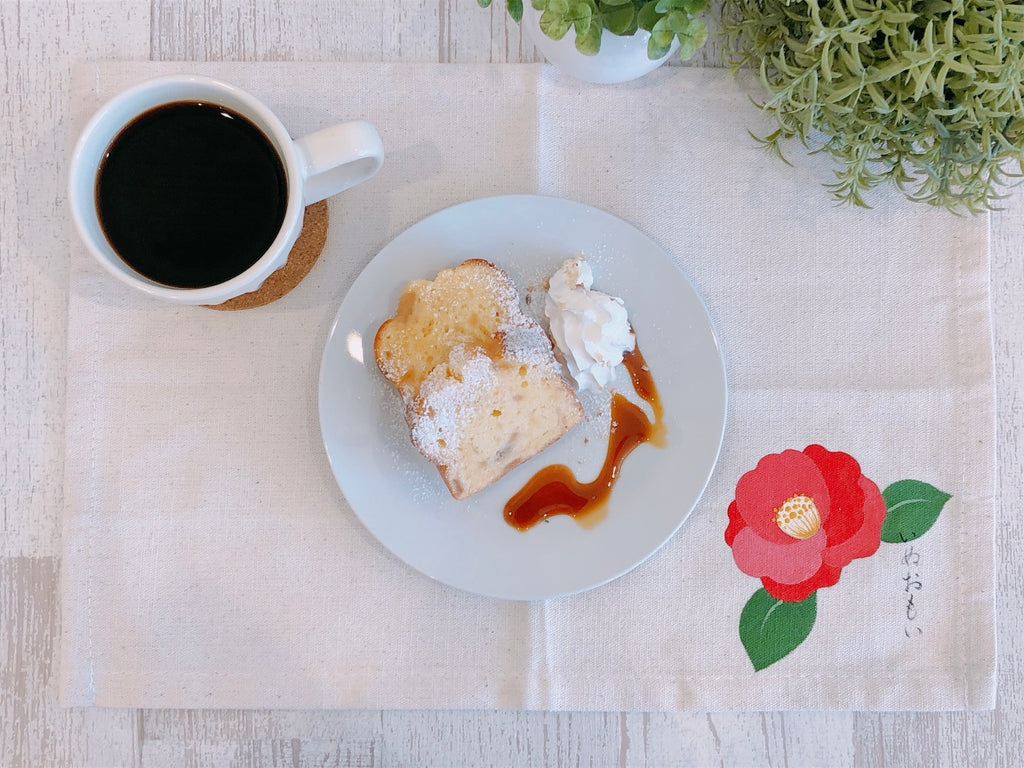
point(927, 95)
point(610, 41)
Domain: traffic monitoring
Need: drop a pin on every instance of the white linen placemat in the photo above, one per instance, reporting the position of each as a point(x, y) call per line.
point(210, 559)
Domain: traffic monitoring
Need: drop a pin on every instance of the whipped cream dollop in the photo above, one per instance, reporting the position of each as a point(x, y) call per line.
point(590, 328)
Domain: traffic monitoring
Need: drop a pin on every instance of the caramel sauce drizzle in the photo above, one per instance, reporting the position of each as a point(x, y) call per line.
point(555, 490)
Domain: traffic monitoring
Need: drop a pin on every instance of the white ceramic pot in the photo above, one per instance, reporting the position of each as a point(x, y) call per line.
point(620, 58)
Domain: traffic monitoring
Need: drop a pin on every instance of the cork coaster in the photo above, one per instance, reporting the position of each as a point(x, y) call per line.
point(301, 259)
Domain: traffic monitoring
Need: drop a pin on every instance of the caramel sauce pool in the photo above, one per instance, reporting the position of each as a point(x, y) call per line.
point(555, 490)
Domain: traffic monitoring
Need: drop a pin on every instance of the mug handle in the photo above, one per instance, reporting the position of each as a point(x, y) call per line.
point(338, 157)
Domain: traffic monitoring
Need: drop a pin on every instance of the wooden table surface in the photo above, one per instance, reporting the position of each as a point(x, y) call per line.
point(40, 40)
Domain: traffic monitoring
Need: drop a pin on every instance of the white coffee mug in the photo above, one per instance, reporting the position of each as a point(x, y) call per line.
point(315, 167)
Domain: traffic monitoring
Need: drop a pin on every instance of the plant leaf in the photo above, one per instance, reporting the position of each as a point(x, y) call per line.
point(677, 21)
point(692, 38)
point(581, 14)
point(655, 50)
point(619, 20)
point(647, 16)
point(770, 629)
point(589, 43)
point(515, 9)
point(553, 24)
point(662, 35)
point(483, 3)
point(912, 507)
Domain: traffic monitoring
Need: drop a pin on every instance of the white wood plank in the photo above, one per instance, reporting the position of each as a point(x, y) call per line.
point(305, 30)
point(38, 44)
point(729, 738)
point(1007, 249)
point(178, 739)
point(502, 738)
point(470, 33)
point(34, 730)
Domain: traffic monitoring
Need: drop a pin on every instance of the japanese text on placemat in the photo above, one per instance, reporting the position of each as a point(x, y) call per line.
point(912, 586)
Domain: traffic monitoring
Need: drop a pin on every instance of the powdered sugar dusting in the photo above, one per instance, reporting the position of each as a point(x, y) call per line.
point(528, 344)
point(524, 340)
point(444, 397)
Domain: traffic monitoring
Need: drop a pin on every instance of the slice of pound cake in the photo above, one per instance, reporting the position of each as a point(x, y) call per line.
point(481, 386)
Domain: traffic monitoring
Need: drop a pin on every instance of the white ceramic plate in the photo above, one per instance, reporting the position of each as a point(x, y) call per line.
point(400, 497)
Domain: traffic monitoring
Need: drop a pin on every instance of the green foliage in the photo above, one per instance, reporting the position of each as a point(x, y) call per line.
point(666, 20)
point(770, 628)
point(926, 94)
point(912, 507)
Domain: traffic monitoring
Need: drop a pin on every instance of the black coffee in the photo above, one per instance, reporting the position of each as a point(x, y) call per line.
point(191, 194)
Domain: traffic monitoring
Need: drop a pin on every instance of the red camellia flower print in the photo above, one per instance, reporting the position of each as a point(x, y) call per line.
point(799, 517)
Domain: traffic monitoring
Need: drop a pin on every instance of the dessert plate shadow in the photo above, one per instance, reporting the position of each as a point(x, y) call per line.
point(400, 497)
